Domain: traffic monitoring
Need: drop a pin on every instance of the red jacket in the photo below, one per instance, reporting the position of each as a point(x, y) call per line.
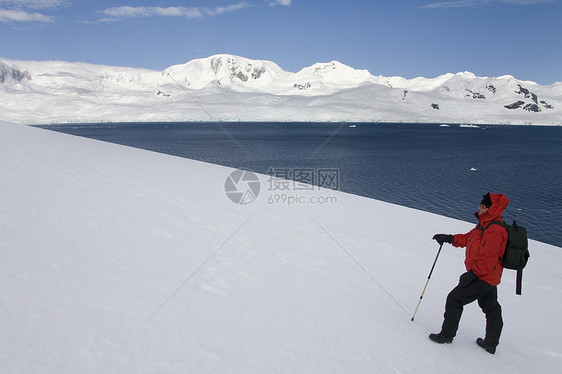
point(483, 250)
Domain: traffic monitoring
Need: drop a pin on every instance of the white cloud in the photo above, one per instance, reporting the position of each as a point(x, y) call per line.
point(226, 9)
point(118, 13)
point(17, 15)
point(122, 12)
point(18, 10)
point(280, 2)
point(451, 4)
point(34, 4)
point(126, 12)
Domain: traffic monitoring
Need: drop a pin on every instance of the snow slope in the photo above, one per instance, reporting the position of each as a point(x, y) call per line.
point(234, 88)
point(119, 260)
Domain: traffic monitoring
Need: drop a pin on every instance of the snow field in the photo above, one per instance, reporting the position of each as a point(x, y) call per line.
point(119, 260)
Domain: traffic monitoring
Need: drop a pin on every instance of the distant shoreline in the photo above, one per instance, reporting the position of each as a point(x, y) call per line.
point(451, 124)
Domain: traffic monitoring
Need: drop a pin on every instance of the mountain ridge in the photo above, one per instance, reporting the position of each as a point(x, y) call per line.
point(161, 95)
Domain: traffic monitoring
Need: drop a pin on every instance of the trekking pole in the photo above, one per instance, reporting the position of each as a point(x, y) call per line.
point(428, 277)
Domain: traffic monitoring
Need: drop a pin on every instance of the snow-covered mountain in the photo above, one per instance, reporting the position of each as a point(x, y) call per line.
point(236, 73)
point(10, 73)
point(233, 88)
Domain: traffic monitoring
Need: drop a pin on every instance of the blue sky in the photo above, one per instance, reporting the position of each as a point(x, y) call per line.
point(409, 38)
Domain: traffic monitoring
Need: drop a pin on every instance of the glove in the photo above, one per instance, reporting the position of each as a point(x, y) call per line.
point(443, 238)
point(467, 278)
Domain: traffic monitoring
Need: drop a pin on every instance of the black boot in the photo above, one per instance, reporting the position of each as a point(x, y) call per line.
point(440, 338)
point(483, 344)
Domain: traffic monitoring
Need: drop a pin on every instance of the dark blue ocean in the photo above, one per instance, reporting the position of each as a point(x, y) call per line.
point(443, 170)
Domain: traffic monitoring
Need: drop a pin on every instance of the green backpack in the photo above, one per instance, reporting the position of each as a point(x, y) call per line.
point(516, 251)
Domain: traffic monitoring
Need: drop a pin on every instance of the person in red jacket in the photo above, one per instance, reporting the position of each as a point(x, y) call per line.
point(484, 250)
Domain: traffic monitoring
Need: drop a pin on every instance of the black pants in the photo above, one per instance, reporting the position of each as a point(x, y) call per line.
point(487, 296)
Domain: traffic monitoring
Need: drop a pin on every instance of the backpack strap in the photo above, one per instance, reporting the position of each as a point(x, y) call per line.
point(501, 223)
point(519, 281)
